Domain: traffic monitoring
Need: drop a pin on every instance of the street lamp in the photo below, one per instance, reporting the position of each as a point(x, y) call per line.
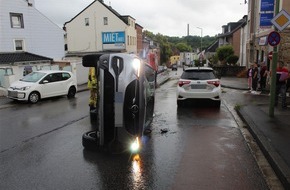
point(200, 55)
point(200, 38)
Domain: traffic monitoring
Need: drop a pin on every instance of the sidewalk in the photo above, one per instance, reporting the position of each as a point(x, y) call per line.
point(271, 134)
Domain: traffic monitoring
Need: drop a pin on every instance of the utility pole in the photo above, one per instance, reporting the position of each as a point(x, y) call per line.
point(273, 70)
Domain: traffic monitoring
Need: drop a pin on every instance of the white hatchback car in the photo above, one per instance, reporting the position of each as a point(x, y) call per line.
point(43, 84)
point(198, 83)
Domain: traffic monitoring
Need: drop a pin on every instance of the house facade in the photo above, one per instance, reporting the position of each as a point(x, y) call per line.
point(29, 41)
point(24, 28)
point(234, 34)
point(99, 28)
point(257, 46)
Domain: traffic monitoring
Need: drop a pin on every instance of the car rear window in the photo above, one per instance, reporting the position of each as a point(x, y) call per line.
point(198, 75)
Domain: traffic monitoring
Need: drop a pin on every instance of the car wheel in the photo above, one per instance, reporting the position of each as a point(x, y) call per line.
point(71, 92)
point(34, 97)
point(90, 140)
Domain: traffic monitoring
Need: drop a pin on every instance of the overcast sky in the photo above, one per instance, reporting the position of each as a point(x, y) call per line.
point(167, 17)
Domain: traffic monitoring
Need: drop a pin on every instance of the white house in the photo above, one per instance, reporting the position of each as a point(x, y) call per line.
point(29, 40)
point(24, 28)
point(99, 28)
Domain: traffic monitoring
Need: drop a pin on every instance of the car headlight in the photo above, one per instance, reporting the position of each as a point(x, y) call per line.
point(135, 145)
point(137, 65)
point(24, 88)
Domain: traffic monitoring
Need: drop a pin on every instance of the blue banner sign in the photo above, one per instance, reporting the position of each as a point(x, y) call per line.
point(267, 5)
point(113, 37)
point(265, 19)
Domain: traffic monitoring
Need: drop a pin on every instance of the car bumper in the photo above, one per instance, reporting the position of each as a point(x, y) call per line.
point(212, 95)
point(17, 95)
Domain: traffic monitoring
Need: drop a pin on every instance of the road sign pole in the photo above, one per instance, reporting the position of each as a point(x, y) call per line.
point(273, 71)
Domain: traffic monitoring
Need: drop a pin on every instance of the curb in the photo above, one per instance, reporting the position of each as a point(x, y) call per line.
point(278, 164)
point(232, 87)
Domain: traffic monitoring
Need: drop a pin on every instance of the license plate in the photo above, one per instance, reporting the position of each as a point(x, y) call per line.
point(198, 86)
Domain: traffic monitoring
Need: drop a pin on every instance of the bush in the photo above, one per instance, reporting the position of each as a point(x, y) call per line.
point(224, 52)
point(232, 59)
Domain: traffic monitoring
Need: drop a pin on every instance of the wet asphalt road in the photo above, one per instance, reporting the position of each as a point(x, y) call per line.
point(40, 148)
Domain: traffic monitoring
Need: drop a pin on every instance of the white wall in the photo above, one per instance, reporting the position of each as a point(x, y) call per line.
point(82, 38)
point(243, 46)
point(41, 36)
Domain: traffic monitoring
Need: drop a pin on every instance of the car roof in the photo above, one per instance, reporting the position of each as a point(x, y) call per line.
point(52, 71)
point(198, 68)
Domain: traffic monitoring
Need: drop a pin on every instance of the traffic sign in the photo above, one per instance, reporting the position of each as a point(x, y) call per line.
point(274, 38)
point(270, 55)
point(281, 20)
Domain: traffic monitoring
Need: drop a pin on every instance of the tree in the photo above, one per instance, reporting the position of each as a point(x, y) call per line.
point(232, 59)
point(224, 52)
point(183, 47)
point(165, 47)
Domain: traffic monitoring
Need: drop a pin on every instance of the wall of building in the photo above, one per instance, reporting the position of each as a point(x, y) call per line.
point(131, 33)
point(284, 47)
point(286, 5)
point(236, 42)
point(40, 35)
point(83, 38)
point(139, 40)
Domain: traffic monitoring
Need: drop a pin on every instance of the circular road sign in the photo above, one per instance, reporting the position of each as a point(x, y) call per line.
point(274, 38)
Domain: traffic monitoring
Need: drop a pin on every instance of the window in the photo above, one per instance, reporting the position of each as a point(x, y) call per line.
point(16, 20)
point(105, 20)
point(198, 75)
point(87, 23)
point(19, 45)
point(65, 76)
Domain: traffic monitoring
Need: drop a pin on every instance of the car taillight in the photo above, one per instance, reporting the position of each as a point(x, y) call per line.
point(181, 83)
point(216, 83)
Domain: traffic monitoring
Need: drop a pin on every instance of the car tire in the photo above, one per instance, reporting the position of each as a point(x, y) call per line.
point(71, 92)
point(90, 140)
point(34, 97)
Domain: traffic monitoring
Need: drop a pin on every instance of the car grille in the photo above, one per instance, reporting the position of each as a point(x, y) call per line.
point(13, 94)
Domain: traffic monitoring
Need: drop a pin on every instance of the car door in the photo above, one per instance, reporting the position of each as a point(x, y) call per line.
point(66, 80)
point(51, 85)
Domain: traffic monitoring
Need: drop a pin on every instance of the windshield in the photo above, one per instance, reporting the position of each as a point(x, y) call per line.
point(33, 77)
